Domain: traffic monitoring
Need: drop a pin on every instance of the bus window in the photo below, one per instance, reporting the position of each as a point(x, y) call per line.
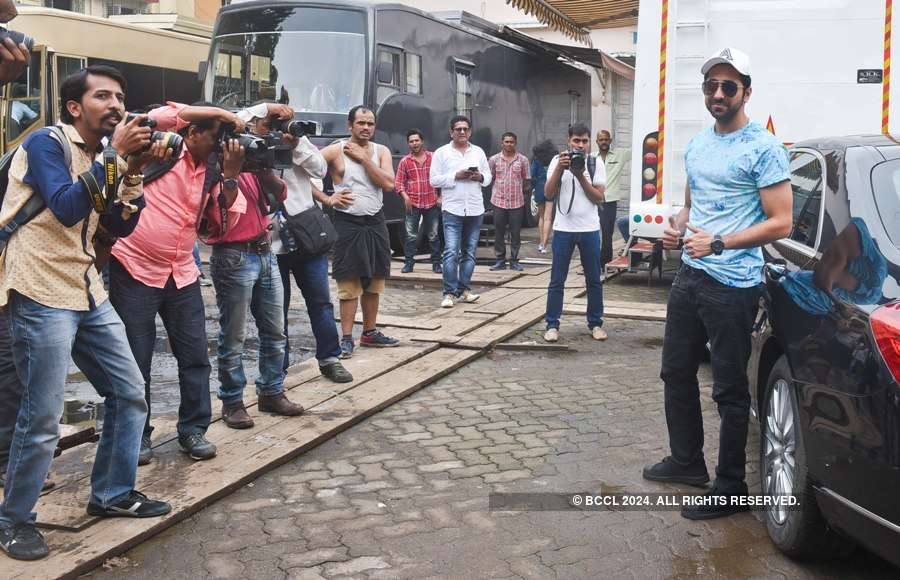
point(388, 65)
point(25, 93)
point(65, 66)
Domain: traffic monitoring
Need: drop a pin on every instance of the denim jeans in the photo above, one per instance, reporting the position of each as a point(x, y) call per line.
point(564, 244)
point(460, 243)
point(700, 308)
point(196, 254)
point(247, 282)
point(184, 317)
point(11, 389)
point(623, 225)
point(430, 219)
point(311, 275)
point(43, 339)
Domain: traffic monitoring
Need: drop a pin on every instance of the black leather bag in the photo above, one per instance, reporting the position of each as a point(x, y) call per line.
point(313, 231)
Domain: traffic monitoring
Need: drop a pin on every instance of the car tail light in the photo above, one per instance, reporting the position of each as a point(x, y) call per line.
point(885, 323)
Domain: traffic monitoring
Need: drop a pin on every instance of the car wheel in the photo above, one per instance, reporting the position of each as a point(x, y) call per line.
point(800, 530)
point(531, 211)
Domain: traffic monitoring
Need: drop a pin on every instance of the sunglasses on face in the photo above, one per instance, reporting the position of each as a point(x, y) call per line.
point(460, 129)
point(729, 88)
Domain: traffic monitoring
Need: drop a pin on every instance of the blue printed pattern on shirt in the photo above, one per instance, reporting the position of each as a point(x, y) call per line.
point(725, 174)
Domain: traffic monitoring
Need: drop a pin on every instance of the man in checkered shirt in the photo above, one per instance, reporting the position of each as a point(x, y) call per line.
point(421, 200)
point(512, 178)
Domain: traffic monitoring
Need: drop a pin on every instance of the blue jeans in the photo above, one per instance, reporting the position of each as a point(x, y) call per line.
point(430, 219)
point(623, 224)
point(247, 282)
point(196, 254)
point(460, 243)
point(43, 338)
point(11, 389)
point(183, 315)
point(311, 276)
point(564, 244)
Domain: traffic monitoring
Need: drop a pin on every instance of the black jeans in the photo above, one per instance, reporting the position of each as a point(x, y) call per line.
point(607, 211)
point(11, 389)
point(512, 219)
point(701, 308)
point(184, 317)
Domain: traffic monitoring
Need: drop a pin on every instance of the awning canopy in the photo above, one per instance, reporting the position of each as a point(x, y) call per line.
point(589, 56)
point(575, 18)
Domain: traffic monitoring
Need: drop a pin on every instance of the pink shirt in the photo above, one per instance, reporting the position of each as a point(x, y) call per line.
point(162, 243)
point(254, 224)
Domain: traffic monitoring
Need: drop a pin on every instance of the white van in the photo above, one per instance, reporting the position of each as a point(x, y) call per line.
point(819, 68)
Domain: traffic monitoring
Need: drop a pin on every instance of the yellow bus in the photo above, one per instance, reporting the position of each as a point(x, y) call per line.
point(159, 66)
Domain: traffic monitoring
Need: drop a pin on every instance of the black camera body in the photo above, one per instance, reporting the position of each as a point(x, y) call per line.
point(168, 138)
point(17, 37)
point(295, 127)
point(577, 161)
point(268, 151)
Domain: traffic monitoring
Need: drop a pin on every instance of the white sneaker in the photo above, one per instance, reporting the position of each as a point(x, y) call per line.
point(447, 302)
point(542, 249)
point(599, 334)
point(469, 297)
point(552, 335)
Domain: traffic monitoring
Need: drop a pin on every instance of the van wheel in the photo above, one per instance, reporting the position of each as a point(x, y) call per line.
point(798, 531)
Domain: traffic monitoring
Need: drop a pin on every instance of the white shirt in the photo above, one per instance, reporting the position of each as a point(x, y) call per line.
point(462, 198)
point(308, 164)
point(583, 216)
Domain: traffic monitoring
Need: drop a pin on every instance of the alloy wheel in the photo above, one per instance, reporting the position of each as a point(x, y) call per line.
point(780, 443)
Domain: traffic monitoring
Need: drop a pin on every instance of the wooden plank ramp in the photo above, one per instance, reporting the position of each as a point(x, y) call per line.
point(616, 309)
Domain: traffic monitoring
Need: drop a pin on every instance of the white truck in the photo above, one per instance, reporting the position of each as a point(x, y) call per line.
point(819, 68)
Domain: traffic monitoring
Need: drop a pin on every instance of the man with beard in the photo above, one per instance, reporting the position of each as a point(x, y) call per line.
point(614, 160)
point(58, 308)
point(362, 171)
point(738, 198)
point(421, 200)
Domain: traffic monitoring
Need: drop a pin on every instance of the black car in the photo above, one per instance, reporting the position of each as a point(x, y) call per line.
point(825, 366)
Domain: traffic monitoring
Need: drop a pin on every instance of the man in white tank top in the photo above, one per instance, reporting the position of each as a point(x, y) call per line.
point(360, 170)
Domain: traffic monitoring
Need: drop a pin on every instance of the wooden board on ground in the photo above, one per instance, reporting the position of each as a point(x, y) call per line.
point(396, 321)
point(618, 312)
point(504, 327)
point(274, 441)
point(510, 302)
point(534, 346)
point(481, 277)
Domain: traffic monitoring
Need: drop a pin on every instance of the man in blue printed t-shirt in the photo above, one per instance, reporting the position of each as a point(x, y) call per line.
point(738, 198)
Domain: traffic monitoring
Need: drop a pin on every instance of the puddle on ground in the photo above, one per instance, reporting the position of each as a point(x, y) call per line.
point(83, 413)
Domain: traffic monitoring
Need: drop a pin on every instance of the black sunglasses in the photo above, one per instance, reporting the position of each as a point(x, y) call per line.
point(729, 88)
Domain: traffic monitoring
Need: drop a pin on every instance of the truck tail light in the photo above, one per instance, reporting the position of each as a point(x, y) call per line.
point(885, 323)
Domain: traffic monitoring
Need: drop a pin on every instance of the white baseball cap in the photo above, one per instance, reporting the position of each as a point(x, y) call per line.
point(728, 55)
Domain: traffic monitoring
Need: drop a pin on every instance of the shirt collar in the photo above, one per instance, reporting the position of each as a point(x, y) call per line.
point(75, 137)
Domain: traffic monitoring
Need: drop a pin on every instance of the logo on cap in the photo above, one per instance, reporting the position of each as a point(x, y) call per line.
point(726, 54)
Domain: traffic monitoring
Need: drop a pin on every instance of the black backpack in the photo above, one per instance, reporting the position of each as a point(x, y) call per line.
point(35, 203)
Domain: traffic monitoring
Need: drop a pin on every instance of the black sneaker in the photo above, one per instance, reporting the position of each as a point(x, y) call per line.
point(668, 471)
point(437, 268)
point(146, 454)
point(133, 505)
point(407, 268)
point(498, 265)
point(515, 265)
point(717, 504)
point(336, 372)
point(196, 446)
point(23, 542)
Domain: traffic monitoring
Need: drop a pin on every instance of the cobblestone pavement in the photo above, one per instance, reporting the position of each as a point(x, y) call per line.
point(405, 493)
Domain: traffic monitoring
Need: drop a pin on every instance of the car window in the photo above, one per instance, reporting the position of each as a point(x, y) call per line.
point(806, 182)
point(886, 187)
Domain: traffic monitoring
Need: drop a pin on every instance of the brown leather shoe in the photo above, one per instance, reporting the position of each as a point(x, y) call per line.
point(236, 417)
point(279, 405)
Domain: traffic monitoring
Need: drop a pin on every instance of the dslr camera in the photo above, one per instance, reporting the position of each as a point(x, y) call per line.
point(168, 138)
point(576, 160)
point(17, 37)
point(295, 127)
point(268, 151)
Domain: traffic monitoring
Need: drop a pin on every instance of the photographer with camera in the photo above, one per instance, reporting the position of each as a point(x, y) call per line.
point(58, 308)
point(15, 47)
point(310, 270)
point(153, 271)
point(247, 279)
point(575, 195)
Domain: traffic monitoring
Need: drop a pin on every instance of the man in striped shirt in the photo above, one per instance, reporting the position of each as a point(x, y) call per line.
point(422, 201)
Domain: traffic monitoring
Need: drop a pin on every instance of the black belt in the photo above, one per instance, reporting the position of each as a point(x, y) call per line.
point(252, 247)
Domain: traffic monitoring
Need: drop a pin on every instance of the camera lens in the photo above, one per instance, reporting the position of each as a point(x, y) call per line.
point(17, 37)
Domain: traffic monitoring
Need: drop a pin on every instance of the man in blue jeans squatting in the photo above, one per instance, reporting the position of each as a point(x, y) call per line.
point(576, 196)
point(460, 169)
point(738, 198)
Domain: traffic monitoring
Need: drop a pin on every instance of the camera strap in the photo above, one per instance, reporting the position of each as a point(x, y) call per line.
point(571, 197)
point(102, 193)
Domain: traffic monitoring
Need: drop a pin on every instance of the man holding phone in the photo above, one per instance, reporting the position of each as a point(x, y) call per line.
point(460, 169)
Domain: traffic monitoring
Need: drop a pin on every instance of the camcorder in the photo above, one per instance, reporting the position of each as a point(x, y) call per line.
point(269, 151)
point(17, 37)
point(576, 160)
point(168, 138)
point(295, 127)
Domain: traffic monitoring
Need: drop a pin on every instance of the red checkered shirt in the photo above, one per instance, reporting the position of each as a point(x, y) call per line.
point(413, 180)
point(509, 179)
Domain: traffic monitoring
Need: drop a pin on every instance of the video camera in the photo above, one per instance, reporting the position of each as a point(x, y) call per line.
point(294, 127)
point(269, 151)
point(168, 138)
point(17, 37)
point(577, 161)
